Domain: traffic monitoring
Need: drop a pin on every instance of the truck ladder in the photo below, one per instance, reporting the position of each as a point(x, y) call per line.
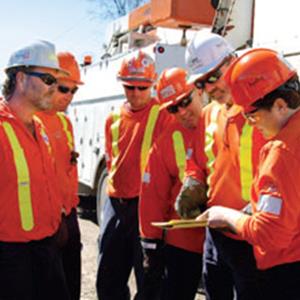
point(222, 17)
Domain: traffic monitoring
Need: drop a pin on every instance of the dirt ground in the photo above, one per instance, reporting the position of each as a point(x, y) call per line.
point(89, 233)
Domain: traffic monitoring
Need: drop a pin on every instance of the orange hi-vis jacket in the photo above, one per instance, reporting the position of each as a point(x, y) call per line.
point(30, 200)
point(162, 181)
point(232, 148)
point(60, 132)
point(274, 228)
point(128, 138)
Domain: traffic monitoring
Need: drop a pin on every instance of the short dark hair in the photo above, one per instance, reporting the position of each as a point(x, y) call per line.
point(9, 85)
point(289, 92)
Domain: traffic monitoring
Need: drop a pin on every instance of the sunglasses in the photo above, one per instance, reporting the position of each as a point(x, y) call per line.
point(185, 102)
point(132, 87)
point(65, 90)
point(213, 78)
point(47, 78)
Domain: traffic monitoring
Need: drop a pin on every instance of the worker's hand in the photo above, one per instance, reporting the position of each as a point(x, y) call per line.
point(191, 198)
point(221, 217)
point(153, 263)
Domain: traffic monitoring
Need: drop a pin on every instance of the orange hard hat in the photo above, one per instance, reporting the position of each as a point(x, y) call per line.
point(172, 86)
point(68, 62)
point(255, 74)
point(138, 70)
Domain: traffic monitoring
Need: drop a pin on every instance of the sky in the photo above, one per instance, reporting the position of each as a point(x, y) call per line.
point(71, 25)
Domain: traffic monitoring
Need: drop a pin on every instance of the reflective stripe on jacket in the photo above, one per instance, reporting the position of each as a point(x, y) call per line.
point(60, 132)
point(30, 200)
point(129, 136)
point(161, 183)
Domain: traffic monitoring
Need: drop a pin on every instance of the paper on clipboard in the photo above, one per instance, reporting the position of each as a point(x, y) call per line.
point(176, 224)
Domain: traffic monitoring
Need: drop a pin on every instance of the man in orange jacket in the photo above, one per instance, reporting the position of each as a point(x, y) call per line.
point(31, 204)
point(129, 134)
point(232, 149)
point(60, 132)
point(175, 255)
point(268, 89)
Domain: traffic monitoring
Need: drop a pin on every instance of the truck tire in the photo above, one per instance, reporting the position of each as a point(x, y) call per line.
point(101, 194)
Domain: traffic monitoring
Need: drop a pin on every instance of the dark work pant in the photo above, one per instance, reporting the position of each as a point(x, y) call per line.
point(229, 265)
point(71, 255)
point(119, 250)
point(282, 282)
point(31, 271)
point(184, 269)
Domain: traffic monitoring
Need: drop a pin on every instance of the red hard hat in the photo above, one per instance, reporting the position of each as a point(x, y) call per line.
point(172, 86)
point(138, 70)
point(68, 62)
point(255, 74)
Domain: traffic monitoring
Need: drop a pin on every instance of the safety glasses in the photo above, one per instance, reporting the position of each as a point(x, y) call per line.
point(185, 102)
point(213, 78)
point(140, 88)
point(47, 78)
point(65, 90)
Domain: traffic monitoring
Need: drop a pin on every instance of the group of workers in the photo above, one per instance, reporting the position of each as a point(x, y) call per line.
point(39, 234)
point(218, 143)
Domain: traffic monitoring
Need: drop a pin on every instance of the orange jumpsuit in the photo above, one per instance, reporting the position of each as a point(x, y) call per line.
point(232, 149)
point(160, 188)
point(273, 229)
point(128, 137)
point(60, 132)
point(62, 141)
point(224, 159)
point(45, 199)
point(161, 183)
point(125, 179)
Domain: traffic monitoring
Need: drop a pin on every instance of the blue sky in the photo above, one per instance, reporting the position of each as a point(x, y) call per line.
point(69, 24)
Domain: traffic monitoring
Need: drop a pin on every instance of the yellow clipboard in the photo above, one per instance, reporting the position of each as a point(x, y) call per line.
point(176, 224)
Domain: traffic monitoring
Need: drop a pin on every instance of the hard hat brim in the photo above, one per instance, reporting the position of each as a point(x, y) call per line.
point(177, 99)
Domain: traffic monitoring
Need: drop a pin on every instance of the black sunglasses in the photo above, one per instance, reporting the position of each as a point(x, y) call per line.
point(65, 90)
point(213, 78)
point(47, 78)
point(185, 102)
point(132, 87)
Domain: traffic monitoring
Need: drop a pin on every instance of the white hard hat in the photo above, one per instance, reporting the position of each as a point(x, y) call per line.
point(37, 54)
point(204, 53)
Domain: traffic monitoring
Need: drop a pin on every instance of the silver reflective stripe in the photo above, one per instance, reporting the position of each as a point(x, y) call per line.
point(148, 245)
point(146, 177)
point(270, 204)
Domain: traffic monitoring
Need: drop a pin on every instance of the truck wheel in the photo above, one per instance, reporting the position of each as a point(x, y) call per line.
point(101, 194)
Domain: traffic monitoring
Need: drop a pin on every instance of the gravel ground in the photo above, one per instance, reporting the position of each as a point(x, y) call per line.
point(89, 234)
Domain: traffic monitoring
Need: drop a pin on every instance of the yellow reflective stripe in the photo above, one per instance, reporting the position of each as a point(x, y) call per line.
point(209, 140)
point(147, 140)
point(24, 193)
point(115, 126)
point(68, 133)
point(115, 133)
point(180, 154)
point(246, 174)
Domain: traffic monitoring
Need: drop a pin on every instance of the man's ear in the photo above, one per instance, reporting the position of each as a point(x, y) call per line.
point(20, 77)
point(280, 105)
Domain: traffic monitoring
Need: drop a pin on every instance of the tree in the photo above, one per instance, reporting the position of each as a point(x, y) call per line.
point(112, 9)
